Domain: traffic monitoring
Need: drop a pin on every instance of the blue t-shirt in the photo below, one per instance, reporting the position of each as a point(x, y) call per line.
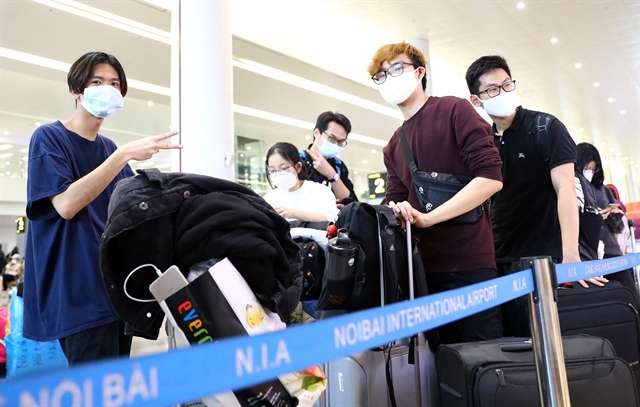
point(63, 288)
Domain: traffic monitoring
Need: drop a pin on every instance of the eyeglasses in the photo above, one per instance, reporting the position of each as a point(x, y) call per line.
point(281, 171)
point(586, 167)
point(334, 140)
point(394, 70)
point(495, 90)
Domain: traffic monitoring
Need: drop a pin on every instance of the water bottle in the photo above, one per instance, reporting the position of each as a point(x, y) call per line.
point(341, 256)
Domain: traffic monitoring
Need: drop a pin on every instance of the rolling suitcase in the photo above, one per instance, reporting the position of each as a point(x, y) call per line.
point(608, 312)
point(399, 374)
point(502, 373)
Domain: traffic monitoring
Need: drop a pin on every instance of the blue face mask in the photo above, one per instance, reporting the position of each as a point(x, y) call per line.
point(102, 101)
point(329, 150)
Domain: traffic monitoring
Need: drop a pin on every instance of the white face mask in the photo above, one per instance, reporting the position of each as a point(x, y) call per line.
point(502, 105)
point(284, 181)
point(329, 150)
point(588, 174)
point(102, 101)
point(396, 90)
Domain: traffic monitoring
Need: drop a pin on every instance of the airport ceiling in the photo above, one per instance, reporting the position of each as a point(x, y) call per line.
point(589, 76)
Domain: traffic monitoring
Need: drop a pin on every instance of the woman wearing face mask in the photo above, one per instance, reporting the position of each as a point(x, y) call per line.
point(590, 164)
point(294, 197)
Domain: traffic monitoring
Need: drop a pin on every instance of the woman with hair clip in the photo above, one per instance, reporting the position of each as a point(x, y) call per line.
point(590, 165)
point(294, 196)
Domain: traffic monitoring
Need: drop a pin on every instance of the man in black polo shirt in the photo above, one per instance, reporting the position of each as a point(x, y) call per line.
point(535, 213)
point(321, 157)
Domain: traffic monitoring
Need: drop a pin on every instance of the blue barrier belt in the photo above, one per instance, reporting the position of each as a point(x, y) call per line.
point(193, 373)
point(581, 271)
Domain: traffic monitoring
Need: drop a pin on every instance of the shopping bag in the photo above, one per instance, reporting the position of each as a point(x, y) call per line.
point(25, 356)
point(204, 311)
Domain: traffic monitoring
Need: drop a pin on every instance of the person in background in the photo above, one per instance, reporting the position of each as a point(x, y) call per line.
point(623, 237)
point(4, 320)
point(73, 171)
point(444, 135)
point(321, 159)
point(591, 164)
point(294, 196)
point(12, 271)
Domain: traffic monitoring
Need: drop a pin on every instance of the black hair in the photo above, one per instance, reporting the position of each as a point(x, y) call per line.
point(290, 153)
point(480, 67)
point(587, 153)
point(81, 70)
point(322, 123)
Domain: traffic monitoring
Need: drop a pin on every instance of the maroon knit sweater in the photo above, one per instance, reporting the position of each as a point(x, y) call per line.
point(446, 135)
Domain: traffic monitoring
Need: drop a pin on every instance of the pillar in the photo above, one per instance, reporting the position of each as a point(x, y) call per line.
point(423, 45)
point(202, 86)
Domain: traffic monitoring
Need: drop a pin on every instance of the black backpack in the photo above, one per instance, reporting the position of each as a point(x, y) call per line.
point(372, 227)
point(313, 263)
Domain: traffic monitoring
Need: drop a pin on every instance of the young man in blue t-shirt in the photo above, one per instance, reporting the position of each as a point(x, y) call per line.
point(72, 173)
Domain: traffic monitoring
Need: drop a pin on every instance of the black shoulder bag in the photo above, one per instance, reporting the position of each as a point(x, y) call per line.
point(436, 188)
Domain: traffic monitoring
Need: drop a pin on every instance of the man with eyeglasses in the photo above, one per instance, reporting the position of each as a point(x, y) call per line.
point(535, 213)
point(321, 157)
point(444, 135)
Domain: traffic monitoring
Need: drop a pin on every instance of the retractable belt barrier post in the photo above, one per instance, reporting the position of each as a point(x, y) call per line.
point(193, 373)
point(545, 333)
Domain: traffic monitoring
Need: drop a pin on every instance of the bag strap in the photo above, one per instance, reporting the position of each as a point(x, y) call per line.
point(387, 223)
point(542, 134)
point(407, 152)
point(390, 387)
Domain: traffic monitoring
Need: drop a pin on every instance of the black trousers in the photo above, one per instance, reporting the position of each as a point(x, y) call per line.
point(102, 342)
point(515, 312)
point(482, 326)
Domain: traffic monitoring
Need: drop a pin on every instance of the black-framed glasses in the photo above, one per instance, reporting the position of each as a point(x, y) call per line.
point(495, 90)
point(586, 167)
point(394, 70)
point(281, 171)
point(334, 140)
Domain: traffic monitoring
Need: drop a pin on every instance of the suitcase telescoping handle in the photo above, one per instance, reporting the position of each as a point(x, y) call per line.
point(410, 259)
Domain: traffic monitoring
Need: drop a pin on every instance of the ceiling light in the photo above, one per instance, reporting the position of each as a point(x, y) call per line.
point(150, 103)
point(6, 146)
point(6, 133)
point(64, 67)
point(373, 151)
point(581, 129)
point(356, 172)
point(25, 158)
point(300, 123)
point(554, 40)
point(248, 148)
point(364, 161)
point(578, 65)
point(622, 112)
point(611, 149)
point(596, 84)
point(255, 167)
point(113, 20)
point(307, 137)
point(610, 100)
point(253, 160)
point(626, 158)
point(25, 150)
point(241, 155)
point(520, 5)
point(145, 164)
point(8, 173)
point(6, 155)
point(7, 162)
point(312, 86)
point(38, 124)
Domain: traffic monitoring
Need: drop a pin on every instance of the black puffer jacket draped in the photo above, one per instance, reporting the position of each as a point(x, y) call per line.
point(182, 219)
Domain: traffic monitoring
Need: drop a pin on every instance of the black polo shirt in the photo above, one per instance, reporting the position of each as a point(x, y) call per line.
point(336, 163)
point(524, 213)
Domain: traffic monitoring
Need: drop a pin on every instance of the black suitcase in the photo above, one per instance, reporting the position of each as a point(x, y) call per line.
point(502, 373)
point(608, 312)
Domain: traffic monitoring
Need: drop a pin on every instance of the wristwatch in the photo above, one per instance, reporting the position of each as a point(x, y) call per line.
point(335, 178)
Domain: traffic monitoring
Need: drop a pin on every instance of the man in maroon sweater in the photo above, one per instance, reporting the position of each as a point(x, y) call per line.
point(445, 135)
